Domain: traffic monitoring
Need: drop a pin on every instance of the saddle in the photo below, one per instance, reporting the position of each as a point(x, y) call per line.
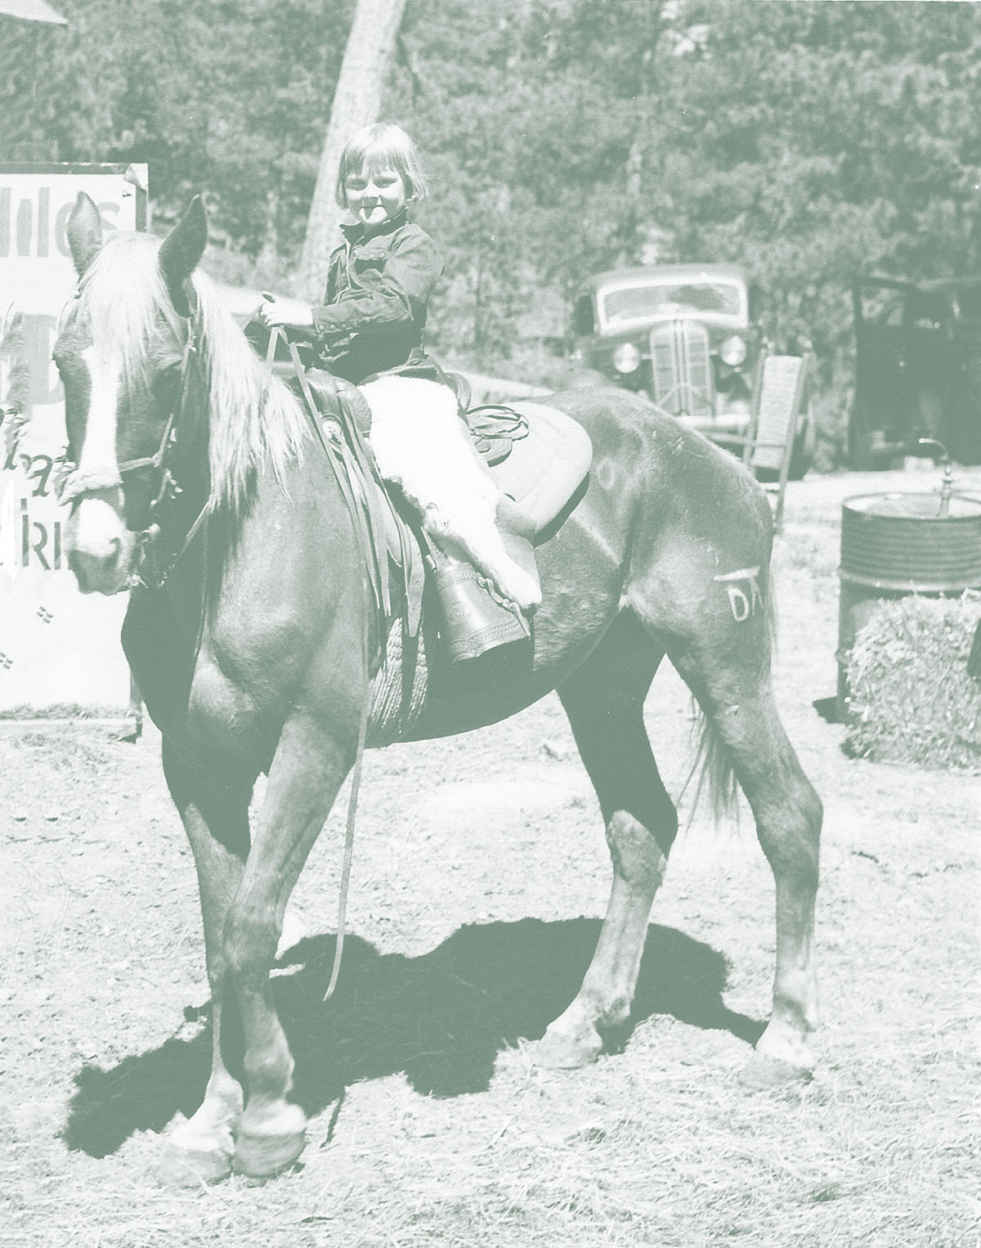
point(539, 459)
point(535, 482)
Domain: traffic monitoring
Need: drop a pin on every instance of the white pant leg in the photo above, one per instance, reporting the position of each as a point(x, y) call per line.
point(421, 445)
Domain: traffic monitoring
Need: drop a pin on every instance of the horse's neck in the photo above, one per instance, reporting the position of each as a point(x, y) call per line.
point(191, 458)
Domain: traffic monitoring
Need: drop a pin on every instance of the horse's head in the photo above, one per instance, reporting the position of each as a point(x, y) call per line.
point(122, 351)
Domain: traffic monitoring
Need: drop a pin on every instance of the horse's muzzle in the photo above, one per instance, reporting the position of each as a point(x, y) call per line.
point(100, 548)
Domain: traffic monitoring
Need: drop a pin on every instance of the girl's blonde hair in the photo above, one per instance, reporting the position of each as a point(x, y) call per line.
point(381, 146)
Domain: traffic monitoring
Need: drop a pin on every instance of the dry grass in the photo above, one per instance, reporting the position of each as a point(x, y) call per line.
point(912, 698)
point(474, 907)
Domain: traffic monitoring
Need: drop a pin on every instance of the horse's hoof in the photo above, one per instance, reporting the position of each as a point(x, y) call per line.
point(562, 1051)
point(263, 1156)
point(763, 1072)
point(191, 1167)
point(782, 1055)
point(269, 1140)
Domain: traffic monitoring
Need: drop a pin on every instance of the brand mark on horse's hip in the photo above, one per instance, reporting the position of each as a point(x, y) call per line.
point(743, 598)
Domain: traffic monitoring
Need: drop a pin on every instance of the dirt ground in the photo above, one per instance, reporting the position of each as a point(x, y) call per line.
point(480, 876)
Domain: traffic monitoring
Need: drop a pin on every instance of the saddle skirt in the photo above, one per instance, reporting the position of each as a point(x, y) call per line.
point(544, 471)
point(546, 468)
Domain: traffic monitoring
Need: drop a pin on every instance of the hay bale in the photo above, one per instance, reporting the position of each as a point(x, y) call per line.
point(913, 699)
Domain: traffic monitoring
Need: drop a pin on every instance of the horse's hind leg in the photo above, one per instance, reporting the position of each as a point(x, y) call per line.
point(728, 672)
point(605, 704)
point(214, 808)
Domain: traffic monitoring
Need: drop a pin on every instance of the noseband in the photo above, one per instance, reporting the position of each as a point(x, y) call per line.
point(77, 485)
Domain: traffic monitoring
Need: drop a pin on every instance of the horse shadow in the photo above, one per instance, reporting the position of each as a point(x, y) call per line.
point(440, 1018)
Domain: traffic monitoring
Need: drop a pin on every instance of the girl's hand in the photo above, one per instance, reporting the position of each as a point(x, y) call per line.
point(289, 313)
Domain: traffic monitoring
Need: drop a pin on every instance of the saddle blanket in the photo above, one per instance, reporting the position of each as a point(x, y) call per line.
point(543, 473)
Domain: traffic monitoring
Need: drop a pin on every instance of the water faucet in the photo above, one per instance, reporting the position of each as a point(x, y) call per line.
point(939, 454)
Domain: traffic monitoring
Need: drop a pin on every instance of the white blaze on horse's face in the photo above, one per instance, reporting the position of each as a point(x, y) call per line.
point(99, 449)
point(100, 546)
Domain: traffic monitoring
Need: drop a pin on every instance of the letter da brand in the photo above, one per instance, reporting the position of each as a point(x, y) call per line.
point(31, 225)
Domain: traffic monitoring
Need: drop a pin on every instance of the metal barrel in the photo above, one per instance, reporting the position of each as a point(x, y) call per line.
point(898, 544)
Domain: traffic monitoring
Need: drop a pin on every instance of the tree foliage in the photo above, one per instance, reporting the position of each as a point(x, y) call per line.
point(805, 140)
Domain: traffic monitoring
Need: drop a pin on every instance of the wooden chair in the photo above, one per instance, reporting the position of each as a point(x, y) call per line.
point(768, 445)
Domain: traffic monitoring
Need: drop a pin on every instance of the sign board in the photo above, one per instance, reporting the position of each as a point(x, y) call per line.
point(58, 647)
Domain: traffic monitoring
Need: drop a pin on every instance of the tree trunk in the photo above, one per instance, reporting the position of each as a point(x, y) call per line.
point(974, 659)
point(357, 101)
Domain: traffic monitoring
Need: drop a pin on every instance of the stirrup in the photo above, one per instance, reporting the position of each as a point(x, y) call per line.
point(474, 619)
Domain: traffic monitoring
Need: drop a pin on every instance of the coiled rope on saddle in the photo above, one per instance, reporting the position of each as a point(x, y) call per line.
point(494, 428)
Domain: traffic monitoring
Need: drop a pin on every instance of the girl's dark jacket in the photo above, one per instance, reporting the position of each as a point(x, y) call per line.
point(374, 310)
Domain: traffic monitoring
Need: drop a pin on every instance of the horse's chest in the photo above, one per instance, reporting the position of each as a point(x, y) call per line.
point(221, 714)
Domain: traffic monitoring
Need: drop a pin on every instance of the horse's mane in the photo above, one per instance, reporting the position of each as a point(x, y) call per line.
point(255, 422)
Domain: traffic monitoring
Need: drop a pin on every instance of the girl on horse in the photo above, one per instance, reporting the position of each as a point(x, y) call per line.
point(369, 331)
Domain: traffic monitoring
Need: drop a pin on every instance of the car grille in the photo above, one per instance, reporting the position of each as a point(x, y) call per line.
point(681, 368)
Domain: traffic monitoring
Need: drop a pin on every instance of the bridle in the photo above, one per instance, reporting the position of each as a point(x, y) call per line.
point(76, 485)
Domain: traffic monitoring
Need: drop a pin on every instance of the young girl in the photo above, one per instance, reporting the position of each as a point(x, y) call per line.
point(369, 330)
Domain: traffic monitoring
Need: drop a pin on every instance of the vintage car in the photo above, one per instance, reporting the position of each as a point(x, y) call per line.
point(683, 334)
point(917, 369)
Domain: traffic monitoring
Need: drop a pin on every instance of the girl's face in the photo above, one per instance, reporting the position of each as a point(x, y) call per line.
point(375, 196)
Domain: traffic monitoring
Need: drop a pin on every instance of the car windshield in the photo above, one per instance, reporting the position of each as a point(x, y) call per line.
point(638, 303)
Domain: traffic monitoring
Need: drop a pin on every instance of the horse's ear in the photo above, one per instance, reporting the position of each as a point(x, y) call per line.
point(182, 249)
point(84, 232)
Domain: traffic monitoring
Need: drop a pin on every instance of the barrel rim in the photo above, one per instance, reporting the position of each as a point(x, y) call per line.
point(909, 588)
point(932, 495)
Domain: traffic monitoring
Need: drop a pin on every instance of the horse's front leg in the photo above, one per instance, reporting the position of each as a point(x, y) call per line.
point(214, 806)
point(307, 771)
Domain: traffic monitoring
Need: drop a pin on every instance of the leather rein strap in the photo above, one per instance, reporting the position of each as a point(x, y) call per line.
point(167, 484)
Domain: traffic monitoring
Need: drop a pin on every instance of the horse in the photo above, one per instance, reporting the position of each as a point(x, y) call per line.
point(256, 651)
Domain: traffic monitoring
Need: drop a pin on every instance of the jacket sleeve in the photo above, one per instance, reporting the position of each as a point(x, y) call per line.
point(390, 290)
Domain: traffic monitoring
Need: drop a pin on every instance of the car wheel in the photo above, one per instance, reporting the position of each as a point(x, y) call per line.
point(861, 456)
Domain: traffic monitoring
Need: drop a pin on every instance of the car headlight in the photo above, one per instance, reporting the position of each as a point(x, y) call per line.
point(733, 351)
point(626, 357)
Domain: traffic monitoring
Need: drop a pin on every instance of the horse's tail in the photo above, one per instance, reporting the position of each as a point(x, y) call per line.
point(713, 765)
point(713, 759)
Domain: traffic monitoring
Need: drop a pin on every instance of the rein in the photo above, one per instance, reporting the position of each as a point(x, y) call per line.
point(337, 468)
point(167, 486)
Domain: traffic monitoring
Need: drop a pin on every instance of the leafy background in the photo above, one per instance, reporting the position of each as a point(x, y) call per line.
point(807, 141)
